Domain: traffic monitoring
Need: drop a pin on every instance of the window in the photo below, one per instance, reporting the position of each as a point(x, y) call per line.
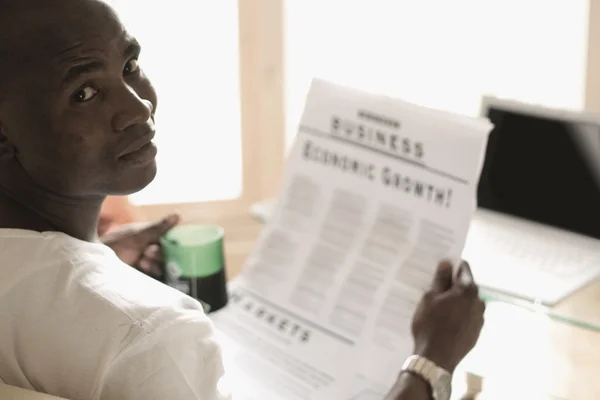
point(190, 51)
point(442, 54)
point(218, 69)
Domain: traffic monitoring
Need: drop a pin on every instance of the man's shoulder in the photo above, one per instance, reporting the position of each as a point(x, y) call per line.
point(73, 277)
point(24, 249)
point(85, 310)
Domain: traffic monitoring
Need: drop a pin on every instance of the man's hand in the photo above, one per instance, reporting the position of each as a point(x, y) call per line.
point(138, 244)
point(445, 327)
point(449, 318)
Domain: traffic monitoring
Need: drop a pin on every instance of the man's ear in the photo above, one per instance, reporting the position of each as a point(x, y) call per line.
point(7, 149)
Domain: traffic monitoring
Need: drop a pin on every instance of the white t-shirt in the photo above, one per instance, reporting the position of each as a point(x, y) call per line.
point(78, 323)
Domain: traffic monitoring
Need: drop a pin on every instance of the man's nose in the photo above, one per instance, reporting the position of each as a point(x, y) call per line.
point(131, 110)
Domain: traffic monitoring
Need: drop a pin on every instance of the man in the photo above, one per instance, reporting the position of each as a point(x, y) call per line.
point(76, 125)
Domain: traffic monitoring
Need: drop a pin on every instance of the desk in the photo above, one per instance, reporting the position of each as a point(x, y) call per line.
point(520, 348)
point(569, 366)
point(559, 348)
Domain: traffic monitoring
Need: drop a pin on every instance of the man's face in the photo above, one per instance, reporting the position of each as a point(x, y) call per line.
point(78, 109)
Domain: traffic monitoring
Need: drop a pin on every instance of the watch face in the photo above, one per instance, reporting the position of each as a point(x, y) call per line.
point(443, 387)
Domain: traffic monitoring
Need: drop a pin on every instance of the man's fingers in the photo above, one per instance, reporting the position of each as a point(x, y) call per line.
point(155, 230)
point(442, 280)
point(167, 223)
point(153, 253)
point(465, 276)
point(151, 262)
point(465, 280)
point(150, 267)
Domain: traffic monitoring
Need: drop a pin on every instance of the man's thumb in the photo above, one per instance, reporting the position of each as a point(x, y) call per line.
point(156, 229)
point(442, 280)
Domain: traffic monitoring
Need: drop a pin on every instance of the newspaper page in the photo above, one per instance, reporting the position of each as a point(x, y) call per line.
point(376, 192)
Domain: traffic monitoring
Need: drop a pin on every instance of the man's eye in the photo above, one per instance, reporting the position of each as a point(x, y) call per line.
point(131, 67)
point(85, 94)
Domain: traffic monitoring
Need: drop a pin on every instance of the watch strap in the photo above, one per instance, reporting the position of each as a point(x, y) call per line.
point(427, 370)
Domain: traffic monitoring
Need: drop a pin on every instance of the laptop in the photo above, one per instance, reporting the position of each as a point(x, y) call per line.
point(536, 233)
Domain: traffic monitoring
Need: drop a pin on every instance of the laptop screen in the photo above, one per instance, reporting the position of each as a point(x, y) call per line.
point(545, 169)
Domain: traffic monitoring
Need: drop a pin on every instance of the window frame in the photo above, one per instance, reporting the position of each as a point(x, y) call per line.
point(592, 74)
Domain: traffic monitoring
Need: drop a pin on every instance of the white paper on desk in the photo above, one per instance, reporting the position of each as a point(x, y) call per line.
point(376, 192)
point(271, 353)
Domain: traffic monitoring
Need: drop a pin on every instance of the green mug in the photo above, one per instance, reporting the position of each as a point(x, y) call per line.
point(195, 263)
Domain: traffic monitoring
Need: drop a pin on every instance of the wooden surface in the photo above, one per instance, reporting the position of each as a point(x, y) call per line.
point(567, 365)
point(563, 355)
point(583, 305)
point(524, 352)
point(262, 96)
point(592, 77)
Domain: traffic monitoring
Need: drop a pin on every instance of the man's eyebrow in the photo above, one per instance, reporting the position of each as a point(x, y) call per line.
point(74, 72)
point(81, 69)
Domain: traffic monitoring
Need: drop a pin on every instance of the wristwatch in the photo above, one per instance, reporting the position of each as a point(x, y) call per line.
point(438, 378)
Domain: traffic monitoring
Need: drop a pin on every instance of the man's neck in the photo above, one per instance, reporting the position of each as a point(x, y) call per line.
point(30, 207)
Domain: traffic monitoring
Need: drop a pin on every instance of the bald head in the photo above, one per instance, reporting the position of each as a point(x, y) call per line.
point(70, 88)
point(23, 10)
point(33, 30)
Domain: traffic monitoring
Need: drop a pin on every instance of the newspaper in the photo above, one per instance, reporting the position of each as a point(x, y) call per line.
point(376, 192)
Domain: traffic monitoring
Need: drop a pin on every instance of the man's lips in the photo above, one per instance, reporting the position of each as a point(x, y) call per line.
point(137, 145)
